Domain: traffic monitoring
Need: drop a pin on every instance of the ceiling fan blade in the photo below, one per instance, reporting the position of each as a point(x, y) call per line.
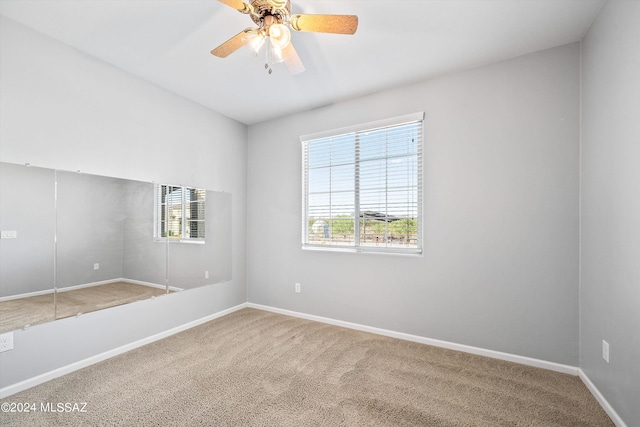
point(231, 45)
point(337, 24)
point(237, 5)
point(292, 60)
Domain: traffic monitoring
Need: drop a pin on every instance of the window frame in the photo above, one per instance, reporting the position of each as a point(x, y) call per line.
point(184, 206)
point(361, 246)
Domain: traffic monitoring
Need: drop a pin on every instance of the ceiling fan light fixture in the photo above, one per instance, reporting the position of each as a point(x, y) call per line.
point(254, 41)
point(274, 20)
point(274, 55)
point(279, 35)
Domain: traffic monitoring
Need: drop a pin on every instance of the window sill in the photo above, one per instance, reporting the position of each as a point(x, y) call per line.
point(364, 250)
point(188, 241)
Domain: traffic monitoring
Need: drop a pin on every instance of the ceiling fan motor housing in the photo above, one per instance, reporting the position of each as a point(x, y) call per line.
point(279, 9)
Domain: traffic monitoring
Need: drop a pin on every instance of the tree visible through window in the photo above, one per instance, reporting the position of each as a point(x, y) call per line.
point(362, 187)
point(180, 212)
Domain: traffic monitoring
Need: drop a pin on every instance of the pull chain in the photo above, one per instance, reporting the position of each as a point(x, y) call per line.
point(268, 60)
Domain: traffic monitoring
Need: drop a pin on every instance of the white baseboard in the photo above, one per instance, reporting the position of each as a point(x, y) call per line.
point(601, 400)
point(120, 279)
point(88, 285)
point(47, 376)
point(65, 289)
point(26, 295)
point(151, 285)
point(565, 369)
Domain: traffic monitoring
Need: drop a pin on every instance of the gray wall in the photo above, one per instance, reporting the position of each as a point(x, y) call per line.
point(144, 259)
point(27, 207)
point(500, 264)
point(89, 228)
point(79, 113)
point(188, 262)
point(610, 206)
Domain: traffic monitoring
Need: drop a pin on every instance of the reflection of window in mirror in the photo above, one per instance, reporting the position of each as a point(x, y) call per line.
point(179, 213)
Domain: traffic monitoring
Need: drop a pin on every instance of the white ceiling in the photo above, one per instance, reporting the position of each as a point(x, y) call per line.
point(168, 41)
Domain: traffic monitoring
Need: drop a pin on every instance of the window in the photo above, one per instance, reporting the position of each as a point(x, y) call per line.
point(179, 213)
point(362, 187)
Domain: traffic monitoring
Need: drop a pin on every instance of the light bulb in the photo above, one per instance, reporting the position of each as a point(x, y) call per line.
point(254, 40)
point(279, 35)
point(274, 55)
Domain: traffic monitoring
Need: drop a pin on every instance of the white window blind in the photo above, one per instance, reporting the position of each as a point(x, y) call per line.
point(179, 213)
point(362, 187)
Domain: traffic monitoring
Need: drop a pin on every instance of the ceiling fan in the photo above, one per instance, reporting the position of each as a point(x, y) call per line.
point(273, 18)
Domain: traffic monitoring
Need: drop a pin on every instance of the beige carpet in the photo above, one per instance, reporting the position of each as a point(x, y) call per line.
point(254, 368)
point(15, 314)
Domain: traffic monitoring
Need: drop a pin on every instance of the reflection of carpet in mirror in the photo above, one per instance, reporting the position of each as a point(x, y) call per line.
point(15, 314)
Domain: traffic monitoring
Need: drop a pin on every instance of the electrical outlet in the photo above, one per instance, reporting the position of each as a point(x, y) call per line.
point(96, 266)
point(605, 351)
point(8, 234)
point(297, 288)
point(6, 342)
point(206, 274)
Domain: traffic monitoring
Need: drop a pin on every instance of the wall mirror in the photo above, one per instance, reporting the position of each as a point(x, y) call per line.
point(74, 243)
